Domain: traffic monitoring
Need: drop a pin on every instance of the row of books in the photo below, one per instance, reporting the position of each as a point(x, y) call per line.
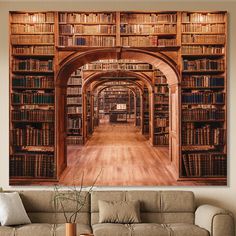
point(147, 41)
point(76, 73)
point(74, 17)
point(160, 80)
point(198, 114)
point(203, 64)
point(161, 108)
point(161, 139)
point(161, 99)
point(158, 73)
point(198, 38)
point(87, 29)
point(36, 115)
point(161, 89)
point(205, 81)
point(203, 17)
point(74, 140)
point(32, 28)
point(134, 18)
point(31, 136)
point(203, 28)
point(33, 82)
point(202, 50)
point(32, 165)
point(161, 130)
point(205, 164)
point(41, 50)
point(161, 122)
point(167, 42)
point(96, 41)
point(32, 39)
point(74, 110)
point(74, 100)
point(74, 123)
point(74, 91)
point(32, 65)
point(205, 135)
point(117, 66)
point(203, 98)
point(148, 29)
point(32, 98)
point(33, 17)
point(74, 81)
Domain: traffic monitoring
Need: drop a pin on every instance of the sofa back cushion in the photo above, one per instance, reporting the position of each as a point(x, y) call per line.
point(40, 208)
point(155, 206)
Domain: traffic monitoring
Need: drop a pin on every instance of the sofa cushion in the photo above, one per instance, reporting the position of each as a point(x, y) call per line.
point(12, 211)
point(43, 201)
point(162, 207)
point(42, 230)
point(59, 218)
point(149, 230)
point(80, 229)
point(109, 229)
point(124, 212)
point(187, 230)
point(35, 230)
point(41, 208)
point(7, 231)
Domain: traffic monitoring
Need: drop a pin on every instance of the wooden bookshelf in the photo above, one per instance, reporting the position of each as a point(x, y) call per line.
point(146, 112)
point(161, 110)
point(87, 29)
point(137, 108)
point(74, 109)
point(148, 29)
point(204, 151)
point(32, 112)
point(41, 41)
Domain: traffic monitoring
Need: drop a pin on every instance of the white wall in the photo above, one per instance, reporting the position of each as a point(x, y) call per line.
point(222, 196)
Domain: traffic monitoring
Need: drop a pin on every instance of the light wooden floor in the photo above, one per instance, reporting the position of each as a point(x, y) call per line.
point(123, 156)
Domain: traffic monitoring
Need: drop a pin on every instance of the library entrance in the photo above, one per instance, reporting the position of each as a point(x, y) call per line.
point(117, 120)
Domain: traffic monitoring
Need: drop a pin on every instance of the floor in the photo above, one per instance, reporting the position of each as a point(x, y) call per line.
point(119, 155)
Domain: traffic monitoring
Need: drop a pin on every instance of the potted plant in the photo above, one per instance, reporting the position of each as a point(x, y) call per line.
point(75, 196)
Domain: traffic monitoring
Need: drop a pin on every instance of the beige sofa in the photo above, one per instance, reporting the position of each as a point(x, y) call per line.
point(163, 213)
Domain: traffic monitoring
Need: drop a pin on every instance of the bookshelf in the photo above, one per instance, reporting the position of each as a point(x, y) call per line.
point(88, 117)
point(161, 110)
point(148, 29)
point(32, 111)
point(137, 108)
point(146, 112)
point(78, 29)
point(74, 109)
point(204, 151)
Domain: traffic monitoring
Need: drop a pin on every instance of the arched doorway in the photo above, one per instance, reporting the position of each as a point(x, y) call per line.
point(97, 79)
point(162, 62)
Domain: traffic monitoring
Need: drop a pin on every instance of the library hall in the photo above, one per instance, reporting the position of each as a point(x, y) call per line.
point(138, 98)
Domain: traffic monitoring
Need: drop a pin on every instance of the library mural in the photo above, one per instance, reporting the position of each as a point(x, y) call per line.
point(118, 98)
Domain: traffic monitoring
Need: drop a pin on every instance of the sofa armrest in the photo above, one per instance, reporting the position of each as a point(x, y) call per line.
point(216, 220)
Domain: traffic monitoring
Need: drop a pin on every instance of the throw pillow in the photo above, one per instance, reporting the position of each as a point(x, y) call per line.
point(12, 211)
point(124, 212)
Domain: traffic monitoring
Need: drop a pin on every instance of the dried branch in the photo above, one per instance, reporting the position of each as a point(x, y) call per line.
point(73, 195)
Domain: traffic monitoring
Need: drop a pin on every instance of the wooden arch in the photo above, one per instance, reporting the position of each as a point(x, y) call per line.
point(110, 86)
point(159, 60)
point(97, 75)
point(100, 82)
point(77, 59)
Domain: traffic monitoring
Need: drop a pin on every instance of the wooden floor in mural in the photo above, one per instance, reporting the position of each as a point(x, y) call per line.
point(123, 156)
